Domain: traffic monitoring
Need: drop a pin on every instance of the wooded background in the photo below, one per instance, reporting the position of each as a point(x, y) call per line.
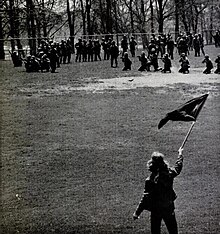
point(37, 19)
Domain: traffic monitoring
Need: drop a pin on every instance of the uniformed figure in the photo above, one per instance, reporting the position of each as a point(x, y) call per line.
point(53, 58)
point(44, 63)
point(124, 45)
point(59, 57)
point(27, 63)
point(145, 63)
point(84, 51)
point(217, 61)
point(127, 62)
point(152, 46)
point(182, 45)
point(161, 46)
point(209, 65)
point(190, 41)
point(159, 195)
point(167, 63)
point(90, 50)
point(201, 43)
point(78, 47)
point(109, 43)
point(196, 45)
point(132, 45)
point(32, 64)
point(217, 38)
point(154, 59)
point(97, 50)
point(68, 50)
point(63, 52)
point(105, 48)
point(16, 59)
point(114, 52)
point(184, 64)
point(170, 46)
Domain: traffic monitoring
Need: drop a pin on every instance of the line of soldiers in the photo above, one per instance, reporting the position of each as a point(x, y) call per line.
point(90, 50)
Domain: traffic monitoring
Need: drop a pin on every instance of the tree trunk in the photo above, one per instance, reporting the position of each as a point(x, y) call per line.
point(116, 20)
point(44, 20)
point(2, 52)
point(17, 31)
point(176, 18)
point(144, 37)
point(160, 18)
point(184, 16)
point(109, 16)
point(131, 16)
point(83, 17)
point(151, 14)
point(211, 22)
point(88, 9)
point(71, 22)
point(12, 23)
point(102, 17)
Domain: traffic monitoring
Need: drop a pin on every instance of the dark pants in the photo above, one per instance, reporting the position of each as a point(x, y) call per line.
point(169, 219)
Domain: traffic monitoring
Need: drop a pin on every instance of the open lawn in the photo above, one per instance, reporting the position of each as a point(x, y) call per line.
point(74, 147)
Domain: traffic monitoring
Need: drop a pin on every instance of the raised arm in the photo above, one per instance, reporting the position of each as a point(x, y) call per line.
point(179, 164)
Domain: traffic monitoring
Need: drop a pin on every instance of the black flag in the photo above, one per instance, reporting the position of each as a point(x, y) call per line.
point(187, 112)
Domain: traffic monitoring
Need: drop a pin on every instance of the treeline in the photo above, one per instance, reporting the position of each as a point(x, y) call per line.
point(36, 19)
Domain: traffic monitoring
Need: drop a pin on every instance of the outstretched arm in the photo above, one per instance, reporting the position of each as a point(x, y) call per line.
point(179, 164)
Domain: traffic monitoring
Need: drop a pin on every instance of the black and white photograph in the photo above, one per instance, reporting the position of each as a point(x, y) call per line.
point(109, 116)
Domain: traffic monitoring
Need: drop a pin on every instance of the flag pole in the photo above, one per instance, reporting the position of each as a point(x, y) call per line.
point(187, 135)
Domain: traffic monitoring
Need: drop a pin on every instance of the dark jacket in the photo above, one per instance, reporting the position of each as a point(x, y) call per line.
point(159, 189)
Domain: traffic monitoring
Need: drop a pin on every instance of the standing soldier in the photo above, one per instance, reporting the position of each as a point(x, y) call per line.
point(84, 50)
point(201, 43)
point(152, 46)
point(78, 47)
point(114, 52)
point(190, 41)
point(209, 65)
point(216, 38)
point(161, 46)
point(196, 45)
point(63, 51)
point(90, 50)
point(105, 48)
point(68, 50)
point(170, 46)
point(59, 57)
point(154, 59)
point(133, 45)
point(124, 45)
point(97, 50)
point(217, 71)
point(53, 58)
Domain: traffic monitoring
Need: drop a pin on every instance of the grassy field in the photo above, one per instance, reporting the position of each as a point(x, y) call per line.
point(73, 158)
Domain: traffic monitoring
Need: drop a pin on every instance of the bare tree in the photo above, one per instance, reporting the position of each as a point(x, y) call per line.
point(2, 53)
